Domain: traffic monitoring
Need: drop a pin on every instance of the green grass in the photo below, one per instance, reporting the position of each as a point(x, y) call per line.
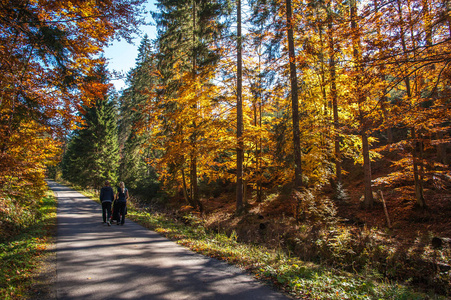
point(20, 256)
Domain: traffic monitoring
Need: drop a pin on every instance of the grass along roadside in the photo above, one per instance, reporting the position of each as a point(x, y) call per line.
point(21, 255)
point(299, 279)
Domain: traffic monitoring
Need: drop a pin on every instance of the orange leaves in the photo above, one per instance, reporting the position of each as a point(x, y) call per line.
point(30, 149)
point(47, 47)
point(95, 90)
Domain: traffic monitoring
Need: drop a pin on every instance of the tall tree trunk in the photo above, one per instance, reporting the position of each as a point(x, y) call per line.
point(417, 180)
point(256, 107)
point(193, 154)
point(239, 116)
point(325, 131)
point(185, 190)
point(333, 94)
point(258, 122)
point(294, 100)
point(260, 155)
point(357, 56)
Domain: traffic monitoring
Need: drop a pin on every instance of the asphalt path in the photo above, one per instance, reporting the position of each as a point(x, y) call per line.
point(95, 261)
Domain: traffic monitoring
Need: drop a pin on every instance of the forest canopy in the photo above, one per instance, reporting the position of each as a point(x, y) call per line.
point(304, 91)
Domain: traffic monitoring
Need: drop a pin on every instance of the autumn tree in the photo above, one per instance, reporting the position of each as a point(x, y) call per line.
point(419, 88)
point(47, 49)
point(187, 30)
point(358, 65)
point(294, 97)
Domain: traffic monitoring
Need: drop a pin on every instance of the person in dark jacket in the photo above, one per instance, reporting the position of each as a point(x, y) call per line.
point(106, 198)
point(121, 199)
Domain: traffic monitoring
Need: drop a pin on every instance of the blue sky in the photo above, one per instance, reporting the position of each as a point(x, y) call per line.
point(121, 55)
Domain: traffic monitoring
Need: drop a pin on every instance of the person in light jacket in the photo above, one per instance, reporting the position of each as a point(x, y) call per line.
point(121, 198)
point(106, 198)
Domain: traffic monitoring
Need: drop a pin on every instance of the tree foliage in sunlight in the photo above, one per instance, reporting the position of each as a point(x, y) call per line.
point(46, 50)
point(368, 75)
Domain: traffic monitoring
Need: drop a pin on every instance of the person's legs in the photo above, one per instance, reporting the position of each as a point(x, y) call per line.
point(116, 212)
point(108, 210)
point(104, 212)
point(122, 212)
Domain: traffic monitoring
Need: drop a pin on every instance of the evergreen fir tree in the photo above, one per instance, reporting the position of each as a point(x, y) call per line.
point(92, 154)
point(134, 168)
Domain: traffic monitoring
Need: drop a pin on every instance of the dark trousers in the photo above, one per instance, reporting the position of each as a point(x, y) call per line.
point(106, 211)
point(122, 207)
point(115, 213)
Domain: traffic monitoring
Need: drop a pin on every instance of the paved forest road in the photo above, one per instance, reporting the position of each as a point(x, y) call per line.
point(95, 261)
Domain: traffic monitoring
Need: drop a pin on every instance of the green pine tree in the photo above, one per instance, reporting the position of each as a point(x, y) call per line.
point(134, 169)
point(92, 155)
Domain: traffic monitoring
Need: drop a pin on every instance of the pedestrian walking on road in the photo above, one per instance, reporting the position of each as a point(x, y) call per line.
point(121, 199)
point(106, 198)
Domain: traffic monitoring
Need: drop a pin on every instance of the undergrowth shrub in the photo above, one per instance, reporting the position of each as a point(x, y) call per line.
point(341, 194)
point(15, 217)
point(314, 209)
point(23, 245)
point(370, 252)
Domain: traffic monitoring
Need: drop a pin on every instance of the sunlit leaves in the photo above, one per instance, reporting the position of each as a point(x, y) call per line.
point(47, 48)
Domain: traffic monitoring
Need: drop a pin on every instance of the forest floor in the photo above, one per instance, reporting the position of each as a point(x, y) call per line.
point(407, 221)
point(359, 239)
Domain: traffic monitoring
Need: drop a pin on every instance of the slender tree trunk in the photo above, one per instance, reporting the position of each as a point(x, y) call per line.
point(258, 122)
point(417, 181)
point(333, 94)
point(260, 151)
point(325, 126)
point(255, 160)
point(294, 100)
point(185, 190)
point(256, 107)
point(239, 113)
point(193, 155)
point(368, 202)
point(193, 180)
